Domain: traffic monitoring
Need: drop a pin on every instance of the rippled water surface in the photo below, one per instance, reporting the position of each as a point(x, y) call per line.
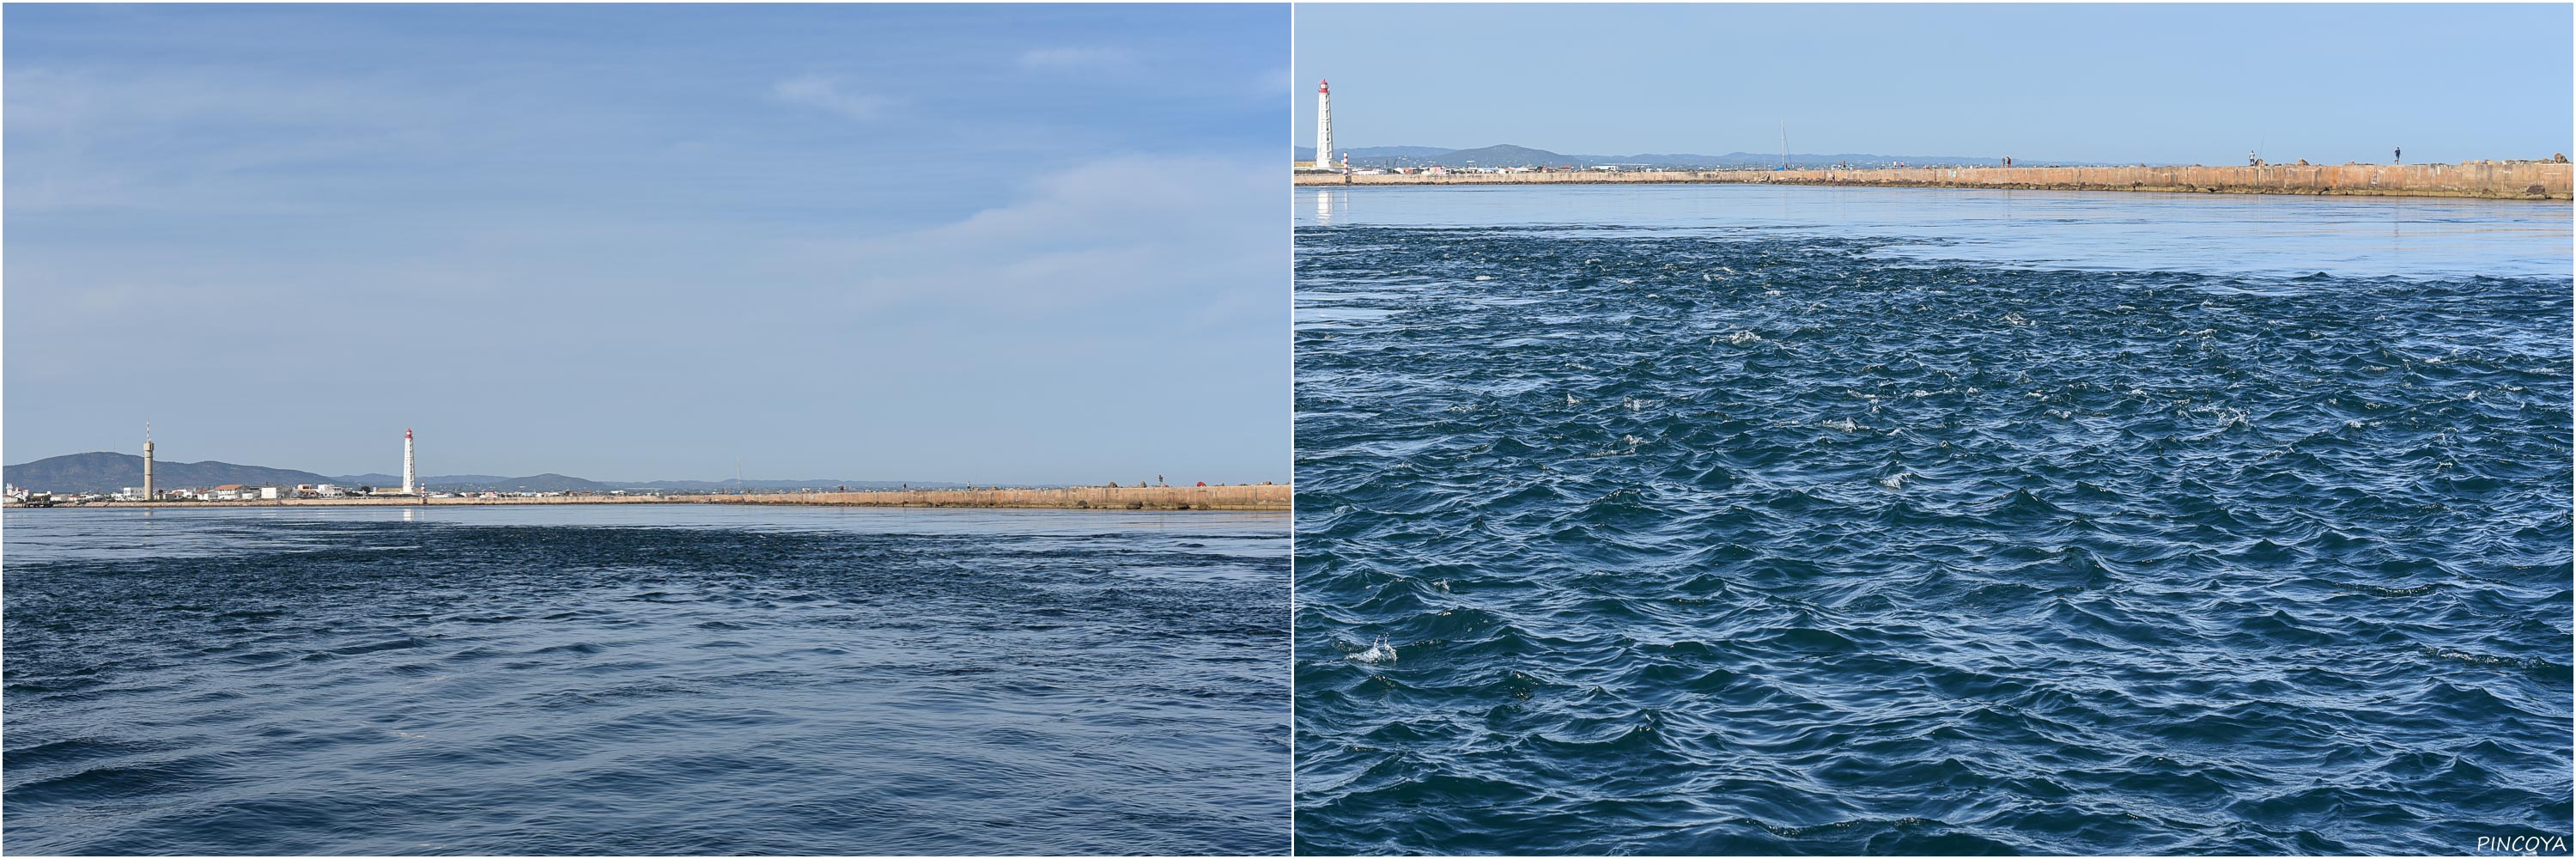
point(1624, 531)
point(663, 679)
point(2249, 234)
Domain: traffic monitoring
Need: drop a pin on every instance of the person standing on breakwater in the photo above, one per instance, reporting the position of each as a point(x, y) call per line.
point(2398, 156)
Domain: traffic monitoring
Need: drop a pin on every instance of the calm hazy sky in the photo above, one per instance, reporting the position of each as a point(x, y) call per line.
point(2178, 83)
point(988, 243)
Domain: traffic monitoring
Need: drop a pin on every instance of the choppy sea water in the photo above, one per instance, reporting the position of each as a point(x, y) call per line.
point(665, 679)
point(1663, 524)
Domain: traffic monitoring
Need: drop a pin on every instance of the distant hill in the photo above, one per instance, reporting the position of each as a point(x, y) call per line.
point(1501, 155)
point(379, 479)
point(547, 482)
point(104, 471)
point(1307, 153)
point(482, 482)
point(1506, 155)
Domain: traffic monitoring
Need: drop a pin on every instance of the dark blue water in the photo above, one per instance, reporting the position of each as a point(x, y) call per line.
point(645, 680)
point(1665, 528)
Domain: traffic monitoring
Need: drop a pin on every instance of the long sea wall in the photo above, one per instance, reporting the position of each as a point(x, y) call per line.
point(1265, 497)
point(1271, 497)
point(2495, 180)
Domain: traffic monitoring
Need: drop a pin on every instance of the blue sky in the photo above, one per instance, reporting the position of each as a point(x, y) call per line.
point(969, 243)
point(2111, 83)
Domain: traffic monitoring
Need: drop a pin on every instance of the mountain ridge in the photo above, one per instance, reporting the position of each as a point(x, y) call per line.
point(107, 471)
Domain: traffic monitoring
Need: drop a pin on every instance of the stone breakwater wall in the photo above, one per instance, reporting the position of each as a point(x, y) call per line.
point(1273, 497)
point(2494, 180)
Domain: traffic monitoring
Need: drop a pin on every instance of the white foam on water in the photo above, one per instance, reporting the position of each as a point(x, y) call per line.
point(1378, 652)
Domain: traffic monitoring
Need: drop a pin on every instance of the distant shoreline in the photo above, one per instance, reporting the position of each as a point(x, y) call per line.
point(2487, 180)
point(1273, 498)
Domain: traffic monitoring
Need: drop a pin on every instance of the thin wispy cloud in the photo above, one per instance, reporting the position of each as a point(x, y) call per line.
point(1078, 59)
point(1174, 229)
point(64, 125)
point(830, 94)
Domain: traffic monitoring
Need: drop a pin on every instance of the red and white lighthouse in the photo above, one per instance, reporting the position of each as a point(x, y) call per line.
point(1324, 125)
